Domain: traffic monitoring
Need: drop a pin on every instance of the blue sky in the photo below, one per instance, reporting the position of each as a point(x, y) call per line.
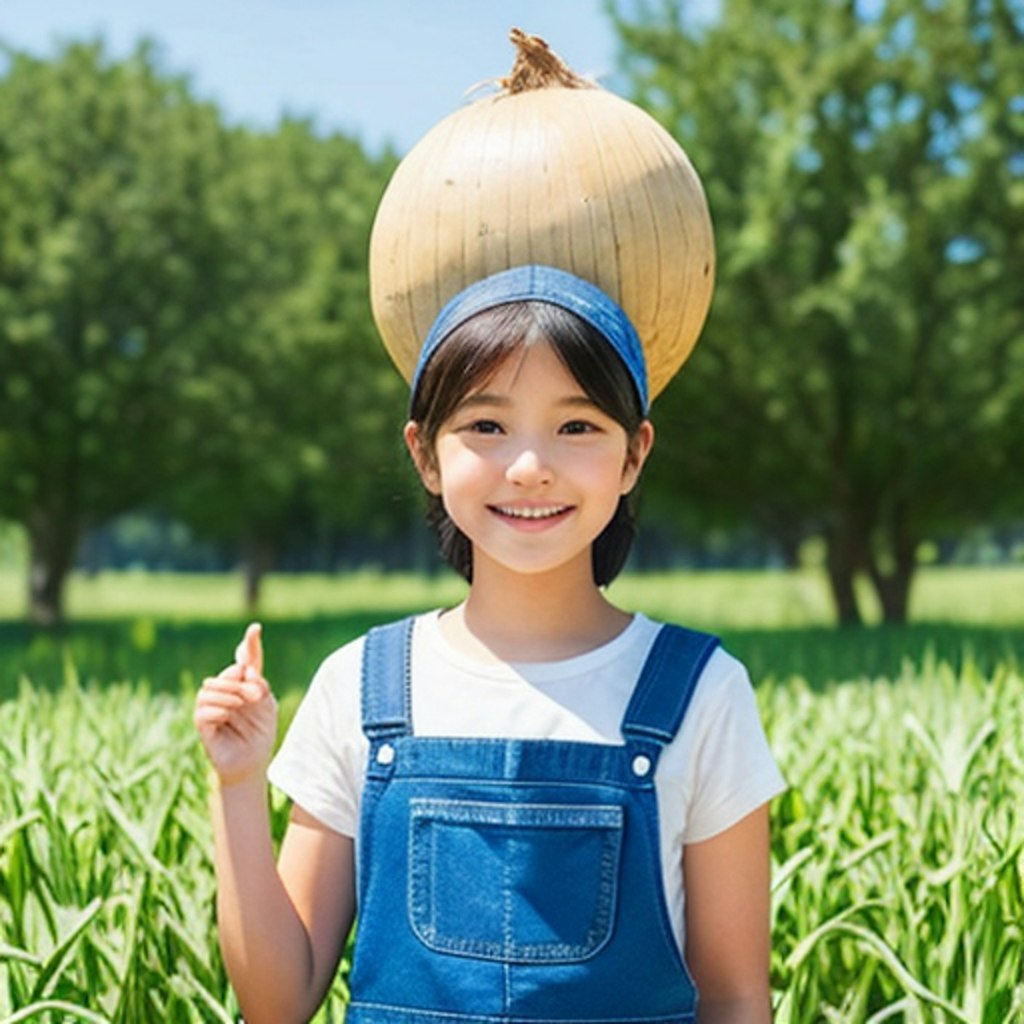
point(382, 70)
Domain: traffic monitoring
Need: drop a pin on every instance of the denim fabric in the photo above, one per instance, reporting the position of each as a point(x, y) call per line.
point(546, 284)
point(507, 915)
point(516, 881)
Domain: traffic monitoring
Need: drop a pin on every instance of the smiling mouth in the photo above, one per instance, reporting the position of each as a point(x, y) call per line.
point(541, 512)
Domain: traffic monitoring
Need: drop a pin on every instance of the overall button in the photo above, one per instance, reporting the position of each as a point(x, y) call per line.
point(386, 754)
point(641, 765)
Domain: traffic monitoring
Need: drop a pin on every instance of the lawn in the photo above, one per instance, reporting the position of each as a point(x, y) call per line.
point(898, 850)
point(171, 629)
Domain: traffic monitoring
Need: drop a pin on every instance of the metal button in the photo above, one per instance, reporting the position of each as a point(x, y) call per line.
point(641, 765)
point(386, 754)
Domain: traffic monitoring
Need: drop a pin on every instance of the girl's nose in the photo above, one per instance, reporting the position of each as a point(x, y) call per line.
point(529, 468)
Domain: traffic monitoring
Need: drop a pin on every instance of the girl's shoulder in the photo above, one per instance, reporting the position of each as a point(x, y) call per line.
point(722, 664)
point(344, 664)
point(723, 682)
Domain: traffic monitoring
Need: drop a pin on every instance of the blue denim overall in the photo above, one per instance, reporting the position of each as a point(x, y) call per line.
point(509, 880)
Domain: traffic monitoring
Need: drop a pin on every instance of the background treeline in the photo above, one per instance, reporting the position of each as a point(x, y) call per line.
point(185, 330)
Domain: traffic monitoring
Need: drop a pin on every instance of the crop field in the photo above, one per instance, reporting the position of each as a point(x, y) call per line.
point(898, 851)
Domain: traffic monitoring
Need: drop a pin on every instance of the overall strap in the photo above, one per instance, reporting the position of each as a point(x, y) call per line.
point(386, 680)
point(667, 684)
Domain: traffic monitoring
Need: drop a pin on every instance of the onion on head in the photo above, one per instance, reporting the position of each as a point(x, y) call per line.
point(552, 170)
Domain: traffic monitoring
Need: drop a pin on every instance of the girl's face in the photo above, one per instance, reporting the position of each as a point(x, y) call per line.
point(528, 467)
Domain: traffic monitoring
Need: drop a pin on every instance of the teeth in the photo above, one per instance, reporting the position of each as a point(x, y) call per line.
point(531, 513)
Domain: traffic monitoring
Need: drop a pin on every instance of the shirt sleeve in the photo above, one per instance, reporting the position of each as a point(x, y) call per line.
point(732, 766)
point(321, 760)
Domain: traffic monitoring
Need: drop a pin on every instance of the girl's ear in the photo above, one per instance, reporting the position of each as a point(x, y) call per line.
point(639, 448)
point(422, 458)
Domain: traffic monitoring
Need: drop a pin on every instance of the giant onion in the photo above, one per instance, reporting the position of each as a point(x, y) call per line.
point(551, 170)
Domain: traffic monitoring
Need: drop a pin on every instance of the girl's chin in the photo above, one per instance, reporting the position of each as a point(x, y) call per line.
point(505, 564)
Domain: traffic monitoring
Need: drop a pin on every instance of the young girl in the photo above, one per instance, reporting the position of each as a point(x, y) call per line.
point(544, 808)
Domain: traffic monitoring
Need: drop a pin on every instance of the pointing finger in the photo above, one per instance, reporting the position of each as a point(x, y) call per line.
point(249, 653)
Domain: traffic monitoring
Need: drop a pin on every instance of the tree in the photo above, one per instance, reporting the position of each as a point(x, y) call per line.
point(110, 273)
point(295, 423)
point(860, 375)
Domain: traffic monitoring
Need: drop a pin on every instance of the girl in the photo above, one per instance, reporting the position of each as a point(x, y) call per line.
point(551, 809)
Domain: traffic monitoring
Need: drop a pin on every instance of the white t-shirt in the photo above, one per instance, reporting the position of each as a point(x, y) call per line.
point(717, 770)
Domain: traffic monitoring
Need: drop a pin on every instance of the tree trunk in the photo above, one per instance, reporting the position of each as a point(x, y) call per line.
point(844, 558)
point(841, 564)
point(260, 557)
point(892, 585)
point(893, 591)
point(53, 540)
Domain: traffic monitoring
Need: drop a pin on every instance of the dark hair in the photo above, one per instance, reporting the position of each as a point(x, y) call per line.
point(473, 352)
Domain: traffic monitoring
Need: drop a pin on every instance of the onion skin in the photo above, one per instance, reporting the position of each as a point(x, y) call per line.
point(569, 176)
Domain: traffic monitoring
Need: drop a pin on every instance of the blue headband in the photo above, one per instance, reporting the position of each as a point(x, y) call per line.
point(543, 284)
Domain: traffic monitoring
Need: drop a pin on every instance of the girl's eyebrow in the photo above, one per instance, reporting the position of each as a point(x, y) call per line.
point(483, 398)
point(488, 398)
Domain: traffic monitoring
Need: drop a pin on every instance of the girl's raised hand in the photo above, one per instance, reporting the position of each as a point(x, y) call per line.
point(236, 715)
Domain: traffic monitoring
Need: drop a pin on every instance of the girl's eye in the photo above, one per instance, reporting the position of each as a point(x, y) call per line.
point(578, 427)
point(485, 427)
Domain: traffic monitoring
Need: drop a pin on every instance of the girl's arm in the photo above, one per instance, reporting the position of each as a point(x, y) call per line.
point(282, 927)
point(728, 913)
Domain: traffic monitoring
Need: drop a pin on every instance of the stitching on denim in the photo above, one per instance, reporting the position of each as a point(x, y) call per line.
point(482, 812)
point(407, 673)
point(528, 783)
point(696, 649)
point(601, 762)
point(650, 823)
point(414, 1014)
point(508, 939)
point(603, 821)
point(415, 884)
point(652, 668)
point(433, 874)
point(371, 797)
point(384, 665)
point(660, 655)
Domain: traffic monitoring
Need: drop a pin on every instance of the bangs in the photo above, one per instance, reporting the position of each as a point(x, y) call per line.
point(476, 349)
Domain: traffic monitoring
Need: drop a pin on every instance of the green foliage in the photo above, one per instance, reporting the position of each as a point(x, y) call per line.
point(170, 656)
point(170, 630)
point(109, 257)
point(106, 889)
point(184, 315)
point(860, 375)
point(298, 408)
point(110, 269)
point(184, 321)
point(106, 874)
point(899, 849)
point(898, 857)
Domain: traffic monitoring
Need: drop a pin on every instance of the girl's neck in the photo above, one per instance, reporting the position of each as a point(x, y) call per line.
point(532, 617)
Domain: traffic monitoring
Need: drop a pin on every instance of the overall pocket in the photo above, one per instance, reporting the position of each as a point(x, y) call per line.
point(519, 883)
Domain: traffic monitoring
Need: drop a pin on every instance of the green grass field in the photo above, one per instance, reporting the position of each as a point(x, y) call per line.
point(169, 630)
point(740, 599)
point(898, 850)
